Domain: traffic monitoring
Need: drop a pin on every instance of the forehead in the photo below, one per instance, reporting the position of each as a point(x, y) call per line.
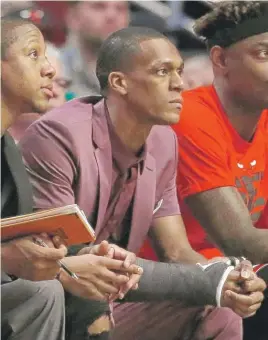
point(102, 5)
point(23, 35)
point(157, 51)
point(254, 41)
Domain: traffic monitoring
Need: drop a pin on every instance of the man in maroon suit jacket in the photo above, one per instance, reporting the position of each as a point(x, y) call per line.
point(117, 159)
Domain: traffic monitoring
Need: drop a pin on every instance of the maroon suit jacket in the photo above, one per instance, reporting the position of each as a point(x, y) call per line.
point(68, 157)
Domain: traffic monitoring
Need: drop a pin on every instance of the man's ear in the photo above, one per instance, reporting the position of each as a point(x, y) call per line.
point(218, 58)
point(117, 82)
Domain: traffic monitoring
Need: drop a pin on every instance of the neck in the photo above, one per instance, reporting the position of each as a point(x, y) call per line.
point(132, 133)
point(88, 51)
point(8, 116)
point(243, 116)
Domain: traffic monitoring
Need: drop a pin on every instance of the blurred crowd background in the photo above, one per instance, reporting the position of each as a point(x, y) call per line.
point(74, 31)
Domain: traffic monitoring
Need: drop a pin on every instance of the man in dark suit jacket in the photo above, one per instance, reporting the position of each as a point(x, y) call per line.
point(29, 310)
point(116, 158)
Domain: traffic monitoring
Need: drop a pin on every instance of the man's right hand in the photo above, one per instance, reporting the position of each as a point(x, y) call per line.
point(27, 260)
point(99, 276)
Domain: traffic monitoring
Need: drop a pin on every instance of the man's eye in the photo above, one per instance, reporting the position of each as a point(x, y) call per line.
point(162, 72)
point(180, 71)
point(33, 54)
point(263, 54)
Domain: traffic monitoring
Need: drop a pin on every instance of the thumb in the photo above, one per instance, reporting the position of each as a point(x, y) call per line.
point(54, 254)
point(57, 241)
point(103, 248)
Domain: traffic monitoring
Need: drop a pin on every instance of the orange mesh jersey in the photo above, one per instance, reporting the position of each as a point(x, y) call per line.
point(212, 155)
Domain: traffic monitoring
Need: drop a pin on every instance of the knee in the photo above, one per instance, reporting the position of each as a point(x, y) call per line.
point(52, 294)
point(101, 325)
point(231, 322)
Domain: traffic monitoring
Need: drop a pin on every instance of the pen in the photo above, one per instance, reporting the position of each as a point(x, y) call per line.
point(60, 263)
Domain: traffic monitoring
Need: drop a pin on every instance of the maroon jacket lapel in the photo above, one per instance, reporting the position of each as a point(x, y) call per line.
point(103, 156)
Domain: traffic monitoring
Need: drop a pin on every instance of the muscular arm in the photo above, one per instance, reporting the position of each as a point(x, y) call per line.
point(224, 215)
point(170, 241)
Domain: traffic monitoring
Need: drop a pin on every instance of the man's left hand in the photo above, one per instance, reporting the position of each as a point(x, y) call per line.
point(114, 252)
point(243, 291)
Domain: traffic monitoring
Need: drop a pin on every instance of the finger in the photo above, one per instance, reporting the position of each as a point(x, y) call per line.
point(246, 270)
point(231, 302)
point(119, 253)
point(256, 297)
point(116, 279)
point(129, 260)
point(134, 279)
point(249, 316)
point(45, 242)
point(103, 248)
point(117, 265)
point(105, 287)
point(253, 309)
point(58, 242)
point(52, 254)
point(234, 276)
point(247, 311)
point(44, 238)
point(134, 269)
point(245, 300)
point(113, 297)
point(254, 285)
point(233, 286)
point(111, 253)
point(92, 293)
point(135, 287)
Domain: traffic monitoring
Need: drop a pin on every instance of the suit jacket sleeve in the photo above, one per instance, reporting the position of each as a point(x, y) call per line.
point(170, 205)
point(48, 150)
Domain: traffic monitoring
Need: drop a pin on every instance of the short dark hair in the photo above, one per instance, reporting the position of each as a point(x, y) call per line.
point(118, 50)
point(8, 36)
point(226, 15)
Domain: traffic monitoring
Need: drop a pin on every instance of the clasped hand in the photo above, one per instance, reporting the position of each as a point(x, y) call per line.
point(105, 271)
point(243, 291)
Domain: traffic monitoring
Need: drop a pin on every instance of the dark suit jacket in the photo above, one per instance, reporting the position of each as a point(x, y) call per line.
point(68, 157)
point(16, 193)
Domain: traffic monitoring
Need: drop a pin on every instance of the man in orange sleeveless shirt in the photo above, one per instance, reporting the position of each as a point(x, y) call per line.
point(223, 136)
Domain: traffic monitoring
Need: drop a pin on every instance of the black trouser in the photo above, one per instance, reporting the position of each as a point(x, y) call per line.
point(256, 327)
point(81, 313)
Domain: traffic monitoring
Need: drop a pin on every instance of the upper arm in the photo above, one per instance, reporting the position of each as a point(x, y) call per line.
point(168, 233)
point(224, 215)
point(49, 160)
point(203, 159)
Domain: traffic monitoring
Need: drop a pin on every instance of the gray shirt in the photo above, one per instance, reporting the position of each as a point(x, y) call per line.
point(83, 75)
